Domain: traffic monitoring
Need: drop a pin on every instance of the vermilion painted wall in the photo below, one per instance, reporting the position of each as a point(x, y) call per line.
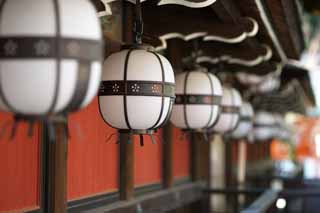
point(93, 164)
point(148, 161)
point(181, 154)
point(19, 169)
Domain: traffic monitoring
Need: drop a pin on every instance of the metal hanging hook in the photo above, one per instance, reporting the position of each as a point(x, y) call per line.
point(138, 23)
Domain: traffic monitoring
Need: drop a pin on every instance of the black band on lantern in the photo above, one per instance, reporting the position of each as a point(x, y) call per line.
point(230, 109)
point(245, 119)
point(49, 47)
point(198, 99)
point(265, 126)
point(136, 88)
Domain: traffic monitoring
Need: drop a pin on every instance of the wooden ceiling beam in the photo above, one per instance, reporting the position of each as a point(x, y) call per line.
point(215, 49)
point(267, 33)
point(287, 24)
point(188, 24)
point(261, 69)
point(226, 11)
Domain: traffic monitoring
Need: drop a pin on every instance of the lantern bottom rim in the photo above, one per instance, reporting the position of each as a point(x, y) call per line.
point(138, 131)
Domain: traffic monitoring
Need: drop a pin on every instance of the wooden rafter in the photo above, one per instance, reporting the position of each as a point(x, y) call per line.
point(169, 22)
point(286, 21)
point(267, 34)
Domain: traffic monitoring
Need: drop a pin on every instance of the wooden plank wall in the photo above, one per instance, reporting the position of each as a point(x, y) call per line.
point(93, 164)
point(19, 168)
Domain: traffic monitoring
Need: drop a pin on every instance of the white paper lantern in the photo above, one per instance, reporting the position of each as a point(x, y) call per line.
point(265, 126)
point(283, 130)
point(50, 56)
point(137, 91)
point(230, 111)
point(245, 124)
point(198, 100)
point(284, 133)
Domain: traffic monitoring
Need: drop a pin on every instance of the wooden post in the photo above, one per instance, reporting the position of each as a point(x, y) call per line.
point(168, 156)
point(174, 55)
point(54, 171)
point(126, 167)
point(242, 163)
point(228, 163)
point(196, 157)
point(126, 149)
point(217, 173)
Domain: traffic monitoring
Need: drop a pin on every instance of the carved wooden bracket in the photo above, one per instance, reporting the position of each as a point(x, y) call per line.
point(104, 8)
point(262, 69)
point(237, 55)
point(248, 27)
point(250, 79)
point(258, 10)
point(186, 3)
point(170, 22)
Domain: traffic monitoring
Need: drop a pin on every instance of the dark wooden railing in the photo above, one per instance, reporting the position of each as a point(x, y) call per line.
point(263, 203)
point(265, 198)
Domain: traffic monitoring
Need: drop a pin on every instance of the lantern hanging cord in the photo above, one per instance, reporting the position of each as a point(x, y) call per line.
point(196, 51)
point(138, 23)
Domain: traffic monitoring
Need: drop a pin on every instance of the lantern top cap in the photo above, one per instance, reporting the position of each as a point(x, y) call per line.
point(146, 47)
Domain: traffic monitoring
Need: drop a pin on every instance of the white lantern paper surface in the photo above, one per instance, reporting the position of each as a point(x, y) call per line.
point(137, 90)
point(283, 130)
point(198, 99)
point(245, 124)
point(265, 126)
point(230, 111)
point(50, 56)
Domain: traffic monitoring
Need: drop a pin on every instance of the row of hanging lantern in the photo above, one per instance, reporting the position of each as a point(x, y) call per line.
point(245, 124)
point(139, 92)
point(267, 126)
point(55, 69)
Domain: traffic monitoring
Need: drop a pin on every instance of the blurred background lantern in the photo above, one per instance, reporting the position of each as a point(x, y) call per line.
point(284, 131)
point(245, 124)
point(265, 126)
point(230, 111)
point(50, 57)
point(198, 100)
point(137, 89)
